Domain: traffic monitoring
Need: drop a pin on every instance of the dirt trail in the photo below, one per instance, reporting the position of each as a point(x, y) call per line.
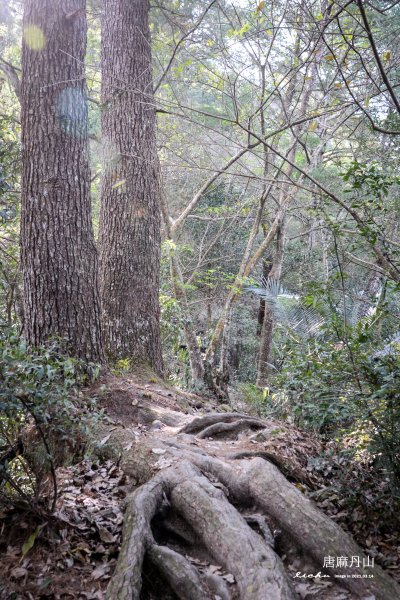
point(218, 508)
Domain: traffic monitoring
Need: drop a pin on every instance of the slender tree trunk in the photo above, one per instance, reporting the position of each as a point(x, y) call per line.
point(223, 376)
point(195, 358)
point(130, 208)
point(266, 268)
point(267, 330)
point(58, 253)
point(273, 267)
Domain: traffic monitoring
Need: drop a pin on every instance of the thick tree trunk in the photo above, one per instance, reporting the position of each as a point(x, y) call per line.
point(58, 253)
point(130, 208)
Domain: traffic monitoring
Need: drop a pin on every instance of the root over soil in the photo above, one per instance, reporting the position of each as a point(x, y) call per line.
point(215, 516)
point(216, 508)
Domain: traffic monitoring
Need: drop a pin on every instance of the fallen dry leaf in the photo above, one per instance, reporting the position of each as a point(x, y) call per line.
point(19, 572)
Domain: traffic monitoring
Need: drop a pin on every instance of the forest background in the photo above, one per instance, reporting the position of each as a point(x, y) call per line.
point(278, 127)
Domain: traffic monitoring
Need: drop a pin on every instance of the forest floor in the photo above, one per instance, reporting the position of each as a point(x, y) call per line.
point(149, 428)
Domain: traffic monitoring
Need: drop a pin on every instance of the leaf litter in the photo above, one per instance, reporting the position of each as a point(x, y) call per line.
point(72, 554)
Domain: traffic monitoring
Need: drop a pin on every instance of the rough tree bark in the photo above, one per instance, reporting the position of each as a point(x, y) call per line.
point(58, 253)
point(130, 196)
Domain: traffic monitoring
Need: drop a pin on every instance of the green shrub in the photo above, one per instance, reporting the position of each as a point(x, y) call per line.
point(339, 386)
point(40, 416)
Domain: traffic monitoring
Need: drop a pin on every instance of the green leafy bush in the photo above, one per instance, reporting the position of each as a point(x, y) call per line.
point(41, 420)
point(341, 385)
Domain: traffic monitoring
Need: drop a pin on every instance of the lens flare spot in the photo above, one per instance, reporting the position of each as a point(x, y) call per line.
point(34, 38)
point(111, 159)
point(71, 111)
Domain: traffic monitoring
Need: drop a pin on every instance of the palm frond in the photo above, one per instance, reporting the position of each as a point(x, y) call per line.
point(391, 347)
point(288, 308)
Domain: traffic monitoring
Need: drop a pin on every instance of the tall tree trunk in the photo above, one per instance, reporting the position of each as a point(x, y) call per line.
point(267, 330)
point(266, 268)
point(58, 253)
point(130, 209)
point(223, 375)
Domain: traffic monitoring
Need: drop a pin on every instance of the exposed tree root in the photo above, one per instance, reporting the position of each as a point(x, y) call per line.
point(194, 503)
point(258, 571)
point(315, 533)
point(217, 586)
point(136, 538)
point(182, 576)
point(202, 517)
point(230, 430)
point(260, 482)
point(200, 423)
point(279, 462)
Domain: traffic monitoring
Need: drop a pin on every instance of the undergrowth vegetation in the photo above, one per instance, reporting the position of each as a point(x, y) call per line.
point(344, 385)
point(43, 421)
